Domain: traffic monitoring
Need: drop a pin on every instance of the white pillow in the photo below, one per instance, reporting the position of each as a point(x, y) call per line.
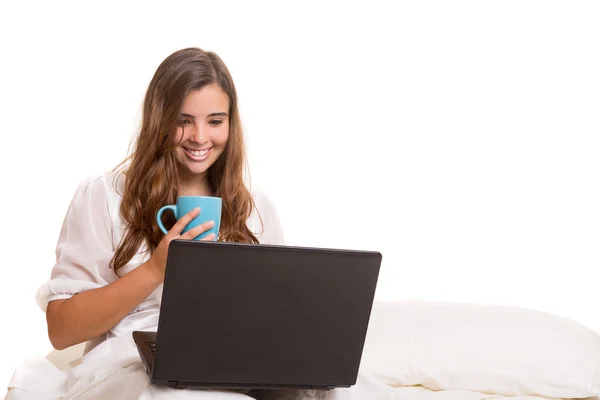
point(491, 349)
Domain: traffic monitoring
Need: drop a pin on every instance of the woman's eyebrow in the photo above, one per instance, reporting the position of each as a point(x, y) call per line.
point(217, 114)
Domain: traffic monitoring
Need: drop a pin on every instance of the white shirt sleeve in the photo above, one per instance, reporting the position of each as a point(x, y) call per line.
point(85, 245)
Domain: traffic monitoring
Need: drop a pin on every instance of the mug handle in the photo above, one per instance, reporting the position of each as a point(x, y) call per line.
point(159, 214)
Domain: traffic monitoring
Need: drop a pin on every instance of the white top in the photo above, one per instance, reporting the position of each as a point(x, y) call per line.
point(91, 232)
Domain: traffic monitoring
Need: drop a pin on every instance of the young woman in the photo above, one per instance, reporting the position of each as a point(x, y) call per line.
point(111, 255)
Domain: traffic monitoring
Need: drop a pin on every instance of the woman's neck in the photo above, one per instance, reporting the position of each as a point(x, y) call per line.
point(194, 186)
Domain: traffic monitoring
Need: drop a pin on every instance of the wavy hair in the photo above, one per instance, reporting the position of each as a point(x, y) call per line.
point(151, 177)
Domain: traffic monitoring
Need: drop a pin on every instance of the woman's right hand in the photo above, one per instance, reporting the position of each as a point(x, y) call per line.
point(158, 261)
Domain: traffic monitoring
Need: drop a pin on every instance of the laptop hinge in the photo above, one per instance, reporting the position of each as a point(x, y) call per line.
point(177, 384)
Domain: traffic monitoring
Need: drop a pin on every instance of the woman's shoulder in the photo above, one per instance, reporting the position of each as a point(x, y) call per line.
point(262, 201)
point(100, 192)
point(264, 220)
point(109, 184)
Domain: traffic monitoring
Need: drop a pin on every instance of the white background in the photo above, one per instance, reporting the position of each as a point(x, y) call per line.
point(460, 139)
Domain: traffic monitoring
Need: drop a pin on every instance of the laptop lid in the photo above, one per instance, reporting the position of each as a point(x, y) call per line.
point(263, 316)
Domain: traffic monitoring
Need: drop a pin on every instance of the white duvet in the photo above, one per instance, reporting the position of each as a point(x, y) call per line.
point(411, 348)
point(113, 370)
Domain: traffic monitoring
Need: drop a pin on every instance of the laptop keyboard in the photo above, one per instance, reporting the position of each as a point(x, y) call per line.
point(152, 347)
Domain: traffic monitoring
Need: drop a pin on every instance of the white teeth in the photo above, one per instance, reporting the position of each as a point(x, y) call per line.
point(197, 153)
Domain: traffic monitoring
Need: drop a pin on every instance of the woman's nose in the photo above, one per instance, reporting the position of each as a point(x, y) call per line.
point(199, 134)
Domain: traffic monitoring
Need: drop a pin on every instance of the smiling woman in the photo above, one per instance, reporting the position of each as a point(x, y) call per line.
point(190, 143)
point(111, 254)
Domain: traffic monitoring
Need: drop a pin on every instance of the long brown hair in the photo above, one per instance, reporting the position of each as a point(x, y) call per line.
point(151, 176)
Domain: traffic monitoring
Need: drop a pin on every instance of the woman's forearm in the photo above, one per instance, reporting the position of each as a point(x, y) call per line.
point(92, 313)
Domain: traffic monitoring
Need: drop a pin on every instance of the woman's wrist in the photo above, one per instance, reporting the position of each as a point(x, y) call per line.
point(153, 273)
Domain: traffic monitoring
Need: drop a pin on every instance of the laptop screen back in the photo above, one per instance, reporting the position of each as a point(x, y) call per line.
point(252, 315)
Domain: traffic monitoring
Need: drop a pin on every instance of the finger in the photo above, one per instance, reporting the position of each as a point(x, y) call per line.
point(197, 230)
point(184, 220)
point(208, 238)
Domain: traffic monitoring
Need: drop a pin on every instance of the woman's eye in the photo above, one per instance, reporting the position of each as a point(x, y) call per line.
point(216, 122)
point(185, 122)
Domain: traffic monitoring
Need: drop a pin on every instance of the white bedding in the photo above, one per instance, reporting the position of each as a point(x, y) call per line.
point(484, 348)
point(367, 388)
point(411, 348)
point(113, 370)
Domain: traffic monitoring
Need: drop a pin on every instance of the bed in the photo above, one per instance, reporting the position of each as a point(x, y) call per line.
point(423, 350)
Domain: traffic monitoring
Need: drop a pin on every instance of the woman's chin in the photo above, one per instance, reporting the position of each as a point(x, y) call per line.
point(193, 169)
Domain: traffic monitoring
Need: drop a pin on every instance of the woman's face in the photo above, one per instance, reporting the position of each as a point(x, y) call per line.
point(203, 131)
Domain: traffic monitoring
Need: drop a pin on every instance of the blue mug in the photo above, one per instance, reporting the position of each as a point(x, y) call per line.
point(210, 210)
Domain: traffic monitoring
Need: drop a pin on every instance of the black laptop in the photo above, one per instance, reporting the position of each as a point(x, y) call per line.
point(254, 316)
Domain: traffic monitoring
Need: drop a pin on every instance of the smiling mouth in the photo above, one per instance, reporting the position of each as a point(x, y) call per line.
point(197, 155)
point(197, 152)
